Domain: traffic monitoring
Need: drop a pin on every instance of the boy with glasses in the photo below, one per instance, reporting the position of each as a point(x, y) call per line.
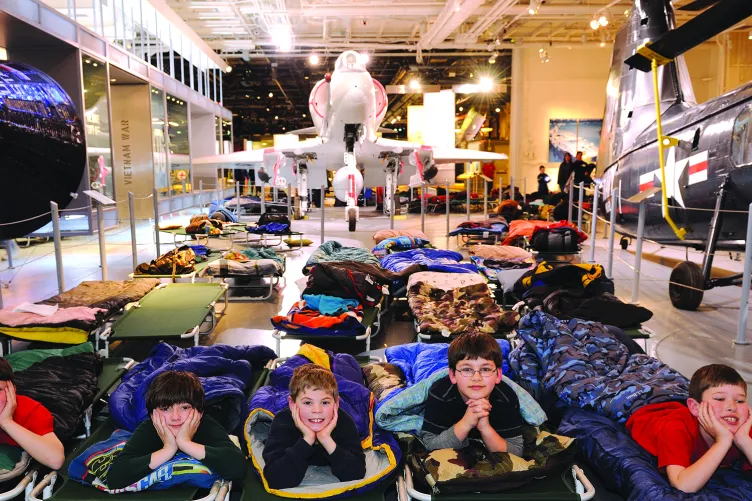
point(472, 402)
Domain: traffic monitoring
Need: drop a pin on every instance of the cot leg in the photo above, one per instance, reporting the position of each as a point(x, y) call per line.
point(87, 420)
point(47, 492)
point(368, 340)
point(278, 337)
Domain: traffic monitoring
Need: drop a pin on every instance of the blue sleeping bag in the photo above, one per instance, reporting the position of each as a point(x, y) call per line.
point(430, 260)
point(627, 468)
point(382, 453)
point(224, 371)
point(95, 461)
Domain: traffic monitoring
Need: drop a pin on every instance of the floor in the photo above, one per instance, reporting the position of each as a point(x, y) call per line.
point(683, 340)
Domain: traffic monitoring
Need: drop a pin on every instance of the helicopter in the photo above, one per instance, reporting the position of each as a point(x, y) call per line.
point(656, 141)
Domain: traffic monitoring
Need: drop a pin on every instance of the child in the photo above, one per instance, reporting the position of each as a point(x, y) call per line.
point(313, 431)
point(543, 180)
point(175, 401)
point(470, 404)
point(711, 431)
point(26, 423)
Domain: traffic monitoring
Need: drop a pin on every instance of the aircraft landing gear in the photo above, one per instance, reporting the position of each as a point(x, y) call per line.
point(624, 243)
point(352, 212)
point(303, 205)
point(688, 280)
point(391, 183)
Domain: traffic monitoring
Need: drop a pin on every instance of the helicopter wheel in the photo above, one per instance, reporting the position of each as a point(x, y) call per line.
point(687, 286)
point(351, 220)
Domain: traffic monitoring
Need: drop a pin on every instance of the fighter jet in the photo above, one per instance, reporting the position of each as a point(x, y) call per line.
point(347, 107)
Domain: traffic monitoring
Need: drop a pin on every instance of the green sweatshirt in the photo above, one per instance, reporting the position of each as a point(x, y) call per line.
point(132, 464)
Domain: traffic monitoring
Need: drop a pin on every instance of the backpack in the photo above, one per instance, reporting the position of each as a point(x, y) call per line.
point(562, 239)
point(331, 280)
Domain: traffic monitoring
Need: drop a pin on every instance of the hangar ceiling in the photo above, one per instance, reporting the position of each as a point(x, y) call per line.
point(438, 42)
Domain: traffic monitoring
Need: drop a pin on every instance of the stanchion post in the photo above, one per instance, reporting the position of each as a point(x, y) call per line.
point(156, 221)
point(423, 189)
point(322, 213)
point(524, 190)
point(237, 200)
point(394, 205)
point(201, 195)
point(581, 201)
point(571, 200)
point(467, 202)
point(58, 247)
point(447, 208)
point(611, 234)
point(638, 253)
point(485, 199)
point(741, 331)
point(511, 188)
point(132, 217)
point(289, 200)
point(102, 246)
point(594, 224)
point(263, 198)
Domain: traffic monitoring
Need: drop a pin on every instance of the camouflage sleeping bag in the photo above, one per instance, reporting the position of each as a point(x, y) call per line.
point(580, 364)
point(474, 469)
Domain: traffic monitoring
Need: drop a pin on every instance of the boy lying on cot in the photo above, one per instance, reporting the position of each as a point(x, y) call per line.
point(175, 401)
point(26, 423)
point(472, 403)
point(711, 431)
point(312, 431)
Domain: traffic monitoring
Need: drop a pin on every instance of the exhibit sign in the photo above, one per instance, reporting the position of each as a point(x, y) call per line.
point(572, 135)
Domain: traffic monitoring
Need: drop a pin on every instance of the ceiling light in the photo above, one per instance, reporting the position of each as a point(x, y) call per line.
point(304, 115)
point(271, 94)
point(534, 7)
point(498, 110)
point(414, 84)
point(276, 117)
point(457, 6)
point(603, 20)
point(461, 108)
point(313, 59)
point(594, 24)
point(394, 120)
point(267, 109)
point(750, 35)
point(113, 80)
point(491, 60)
point(228, 69)
point(364, 58)
point(281, 37)
point(603, 44)
point(486, 84)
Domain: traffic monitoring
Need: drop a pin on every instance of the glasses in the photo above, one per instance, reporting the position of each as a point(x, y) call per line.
point(485, 372)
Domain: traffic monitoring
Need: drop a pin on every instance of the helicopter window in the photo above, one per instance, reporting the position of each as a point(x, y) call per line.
point(741, 144)
point(696, 140)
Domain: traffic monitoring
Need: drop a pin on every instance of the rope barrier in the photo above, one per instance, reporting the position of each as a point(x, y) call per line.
point(28, 219)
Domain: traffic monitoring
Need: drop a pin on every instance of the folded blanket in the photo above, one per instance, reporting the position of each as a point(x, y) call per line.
point(79, 317)
point(329, 305)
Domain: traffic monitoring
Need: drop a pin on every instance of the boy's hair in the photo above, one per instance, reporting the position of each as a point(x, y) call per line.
point(712, 376)
point(314, 377)
point(473, 346)
point(6, 371)
point(175, 387)
point(542, 167)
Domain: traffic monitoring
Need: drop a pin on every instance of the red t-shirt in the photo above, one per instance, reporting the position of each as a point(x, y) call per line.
point(671, 433)
point(31, 415)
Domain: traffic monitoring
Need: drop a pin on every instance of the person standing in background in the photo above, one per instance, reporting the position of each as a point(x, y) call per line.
point(565, 170)
point(543, 181)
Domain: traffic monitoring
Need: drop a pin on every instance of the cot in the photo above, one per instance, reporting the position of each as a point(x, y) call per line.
point(169, 311)
point(197, 269)
point(97, 303)
point(371, 321)
point(243, 273)
point(226, 233)
point(475, 232)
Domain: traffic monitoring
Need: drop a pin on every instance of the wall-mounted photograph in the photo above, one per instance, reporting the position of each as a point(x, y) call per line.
point(568, 135)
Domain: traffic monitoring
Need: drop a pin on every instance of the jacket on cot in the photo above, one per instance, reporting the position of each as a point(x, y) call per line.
point(224, 371)
point(629, 469)
point(581, 364)
point(355, 399)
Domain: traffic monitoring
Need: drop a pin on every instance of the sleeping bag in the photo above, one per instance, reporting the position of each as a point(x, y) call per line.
point(382, 452)
point(225, 373)
point(581, 364)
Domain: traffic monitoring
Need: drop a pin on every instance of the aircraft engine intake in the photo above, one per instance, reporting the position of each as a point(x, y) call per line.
point(341, 182)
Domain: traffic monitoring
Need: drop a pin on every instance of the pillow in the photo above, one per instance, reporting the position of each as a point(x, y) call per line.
point(384, 234)
point(295, 242)
point(499, 252)
point(383, 378)
point(398, 243)
point(91, 468)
